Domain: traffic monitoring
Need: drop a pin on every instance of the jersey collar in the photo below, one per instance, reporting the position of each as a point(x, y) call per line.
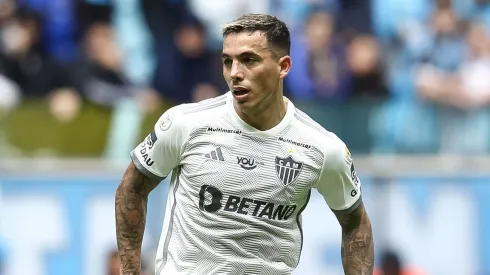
point(246, 128)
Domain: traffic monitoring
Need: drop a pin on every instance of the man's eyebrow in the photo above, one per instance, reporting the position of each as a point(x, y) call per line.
point(247, 53)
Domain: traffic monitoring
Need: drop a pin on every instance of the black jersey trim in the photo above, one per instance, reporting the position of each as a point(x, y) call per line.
point(143, 169)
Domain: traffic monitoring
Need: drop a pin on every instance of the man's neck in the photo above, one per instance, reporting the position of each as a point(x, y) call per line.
point(269, 116)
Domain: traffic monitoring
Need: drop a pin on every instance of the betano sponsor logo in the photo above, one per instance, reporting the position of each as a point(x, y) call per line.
point(242, 205)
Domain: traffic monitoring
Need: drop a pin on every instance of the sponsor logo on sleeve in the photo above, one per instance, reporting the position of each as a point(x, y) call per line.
point(146, 146)
point(353, 173)
point(354, 179)
point(151, 139)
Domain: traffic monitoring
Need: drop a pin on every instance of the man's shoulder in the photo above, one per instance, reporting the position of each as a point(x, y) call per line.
point(326, 141)
point(207, 106)
point(312, 128)
point(189, 114)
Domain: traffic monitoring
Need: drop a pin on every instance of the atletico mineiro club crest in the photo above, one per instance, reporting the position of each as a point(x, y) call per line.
point(287, 169)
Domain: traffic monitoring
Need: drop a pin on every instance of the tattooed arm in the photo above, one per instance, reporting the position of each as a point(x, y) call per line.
point(341, 188)
point(357, 242)
point(131, 202)
point(152, 161)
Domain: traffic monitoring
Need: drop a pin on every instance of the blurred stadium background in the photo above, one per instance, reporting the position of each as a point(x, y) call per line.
point(405, 83)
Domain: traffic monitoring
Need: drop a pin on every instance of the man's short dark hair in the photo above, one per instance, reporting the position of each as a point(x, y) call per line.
point(276, 31)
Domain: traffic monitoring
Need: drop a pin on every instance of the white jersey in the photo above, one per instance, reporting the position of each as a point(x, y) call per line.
point(237, 193)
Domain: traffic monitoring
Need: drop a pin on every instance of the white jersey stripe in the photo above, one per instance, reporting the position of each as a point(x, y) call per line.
point(205, 105)
point(299, 223)
point(308, 121)
point(170, 226)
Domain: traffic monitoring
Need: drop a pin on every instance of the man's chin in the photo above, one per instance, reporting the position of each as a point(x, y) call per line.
point(245, 105)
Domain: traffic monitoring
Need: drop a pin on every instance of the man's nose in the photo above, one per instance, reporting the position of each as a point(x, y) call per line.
point(236, 73)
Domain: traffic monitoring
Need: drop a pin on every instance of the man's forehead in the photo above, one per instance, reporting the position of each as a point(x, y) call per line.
point(236, 43)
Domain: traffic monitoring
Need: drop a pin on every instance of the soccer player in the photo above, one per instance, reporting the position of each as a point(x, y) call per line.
point(243, 166)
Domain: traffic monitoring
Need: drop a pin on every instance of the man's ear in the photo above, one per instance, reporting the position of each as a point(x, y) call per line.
point(285, 66)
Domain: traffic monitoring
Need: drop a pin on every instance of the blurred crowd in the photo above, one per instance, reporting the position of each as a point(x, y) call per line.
point(414, 73)
point(428, 61)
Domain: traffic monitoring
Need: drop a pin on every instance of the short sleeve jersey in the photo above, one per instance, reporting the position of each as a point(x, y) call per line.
point(237, 193)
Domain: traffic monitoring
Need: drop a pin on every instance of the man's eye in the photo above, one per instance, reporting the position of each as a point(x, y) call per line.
point(227, 62)
point(248, 60)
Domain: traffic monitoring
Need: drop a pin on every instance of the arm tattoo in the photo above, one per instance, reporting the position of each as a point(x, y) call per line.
point(357, 242)
point(131, 202)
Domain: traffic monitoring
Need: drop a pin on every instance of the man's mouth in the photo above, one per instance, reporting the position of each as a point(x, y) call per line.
point(239, 91)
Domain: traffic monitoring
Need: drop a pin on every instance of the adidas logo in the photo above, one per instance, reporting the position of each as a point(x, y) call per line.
point(215, 154)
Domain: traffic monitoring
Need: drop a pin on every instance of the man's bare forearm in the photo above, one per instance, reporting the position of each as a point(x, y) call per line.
point(357, 243)
point(131, 203)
